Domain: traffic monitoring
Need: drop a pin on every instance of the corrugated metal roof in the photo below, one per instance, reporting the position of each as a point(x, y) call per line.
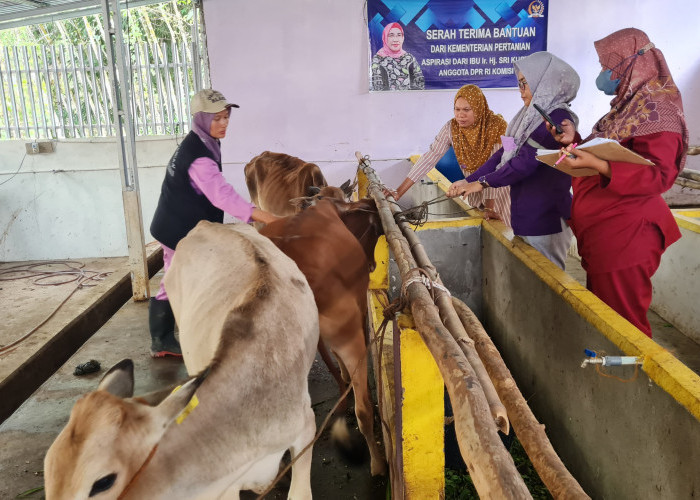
point(15, 13)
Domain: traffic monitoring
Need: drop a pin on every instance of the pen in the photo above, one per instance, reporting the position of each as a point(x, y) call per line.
point(564, 155)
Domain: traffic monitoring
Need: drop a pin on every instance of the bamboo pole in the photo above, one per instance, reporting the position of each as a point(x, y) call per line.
point(689, 173)
point(560, 483)
point(490, 466)
point(450, 319)
point(687, 183)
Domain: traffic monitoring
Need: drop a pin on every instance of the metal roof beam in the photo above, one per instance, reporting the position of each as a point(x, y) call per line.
point(24, 15)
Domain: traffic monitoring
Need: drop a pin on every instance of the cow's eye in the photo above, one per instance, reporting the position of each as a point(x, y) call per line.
point(103, 484)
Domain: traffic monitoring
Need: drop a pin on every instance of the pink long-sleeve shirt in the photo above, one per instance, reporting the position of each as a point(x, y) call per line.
point(207, 180)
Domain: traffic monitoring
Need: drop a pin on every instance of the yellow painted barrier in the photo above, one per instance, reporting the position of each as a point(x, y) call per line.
point(688, 219)
point(411, 401)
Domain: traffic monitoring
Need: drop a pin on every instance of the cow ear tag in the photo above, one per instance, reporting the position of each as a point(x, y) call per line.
point(187, 409)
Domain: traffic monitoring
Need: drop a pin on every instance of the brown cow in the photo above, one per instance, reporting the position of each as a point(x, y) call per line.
point(333, 244)
point(275, 178)
point(278, 183)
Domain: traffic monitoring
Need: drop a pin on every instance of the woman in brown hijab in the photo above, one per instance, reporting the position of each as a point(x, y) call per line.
point(474, 133)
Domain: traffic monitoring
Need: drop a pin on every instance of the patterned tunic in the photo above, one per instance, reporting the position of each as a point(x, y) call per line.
point(437, 149)
point(401, 73)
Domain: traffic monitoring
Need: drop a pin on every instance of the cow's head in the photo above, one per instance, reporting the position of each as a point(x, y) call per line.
point(315, 193)
point(110, 436)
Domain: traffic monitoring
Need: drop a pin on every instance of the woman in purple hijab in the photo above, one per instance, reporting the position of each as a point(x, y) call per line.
point(194, 189)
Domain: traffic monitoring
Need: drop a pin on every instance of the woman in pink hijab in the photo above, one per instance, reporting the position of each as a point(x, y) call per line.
point(392, 67)
point(621, 222)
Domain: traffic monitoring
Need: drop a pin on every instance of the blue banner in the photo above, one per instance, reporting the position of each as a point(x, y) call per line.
point(444, 44)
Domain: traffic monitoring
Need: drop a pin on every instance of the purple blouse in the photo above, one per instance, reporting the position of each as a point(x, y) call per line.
point(540, 195)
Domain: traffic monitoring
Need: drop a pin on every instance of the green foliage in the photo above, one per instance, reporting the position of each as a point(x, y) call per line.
point(459, 486)
point(70, 97)
point(164, 22)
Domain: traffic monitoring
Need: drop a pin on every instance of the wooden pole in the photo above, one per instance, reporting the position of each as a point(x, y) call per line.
point(560, 483)
point(454, 326)
point(490, 465)
point(687, 182)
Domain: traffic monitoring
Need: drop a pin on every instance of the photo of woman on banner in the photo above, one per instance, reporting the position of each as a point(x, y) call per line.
point(392, 67)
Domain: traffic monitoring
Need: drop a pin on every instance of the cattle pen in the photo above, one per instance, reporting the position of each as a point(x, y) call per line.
point(627, 434)
point(614, 438)
point(491, 372)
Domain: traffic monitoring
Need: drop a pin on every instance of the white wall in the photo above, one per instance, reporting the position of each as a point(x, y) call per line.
point(298, 68)
point(68, 204)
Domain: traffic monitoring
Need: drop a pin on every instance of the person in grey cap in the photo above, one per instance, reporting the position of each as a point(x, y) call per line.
point(194, 189)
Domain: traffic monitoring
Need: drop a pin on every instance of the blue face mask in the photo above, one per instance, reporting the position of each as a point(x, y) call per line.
point(605, 83)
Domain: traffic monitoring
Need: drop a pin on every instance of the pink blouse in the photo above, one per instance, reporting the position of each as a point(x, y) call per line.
point(207, 180)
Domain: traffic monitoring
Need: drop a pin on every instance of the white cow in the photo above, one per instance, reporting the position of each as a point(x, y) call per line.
point(248, 320)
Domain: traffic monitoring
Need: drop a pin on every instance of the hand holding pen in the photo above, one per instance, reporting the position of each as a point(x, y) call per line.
point(565, 152)
point(580, 158)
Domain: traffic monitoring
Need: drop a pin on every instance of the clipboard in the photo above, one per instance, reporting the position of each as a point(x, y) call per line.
point(606, 149)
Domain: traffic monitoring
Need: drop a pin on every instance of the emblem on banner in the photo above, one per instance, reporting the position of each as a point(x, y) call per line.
point(535, 9)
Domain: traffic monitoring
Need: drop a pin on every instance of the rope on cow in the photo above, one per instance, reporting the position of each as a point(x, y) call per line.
point(323, 426)
point(389, 313)
point(307, 447)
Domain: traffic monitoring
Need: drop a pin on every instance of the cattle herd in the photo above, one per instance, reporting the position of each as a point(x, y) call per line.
point(252, 308)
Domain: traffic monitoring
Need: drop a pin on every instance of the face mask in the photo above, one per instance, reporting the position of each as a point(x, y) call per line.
point(605, 83)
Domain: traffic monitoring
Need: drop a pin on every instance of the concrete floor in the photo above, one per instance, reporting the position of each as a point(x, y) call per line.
point(30, 430)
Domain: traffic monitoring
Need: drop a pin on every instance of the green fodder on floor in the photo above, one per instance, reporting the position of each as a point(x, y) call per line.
point(459, 486)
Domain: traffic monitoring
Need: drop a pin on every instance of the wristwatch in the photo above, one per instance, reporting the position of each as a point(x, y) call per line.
point(482, 181)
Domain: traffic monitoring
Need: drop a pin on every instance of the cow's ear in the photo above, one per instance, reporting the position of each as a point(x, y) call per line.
point(119, 380)
point(171, 406)
point(312, 190)
point(348, 187)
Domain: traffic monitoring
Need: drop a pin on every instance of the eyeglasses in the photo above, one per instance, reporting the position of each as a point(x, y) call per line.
point(522, 83)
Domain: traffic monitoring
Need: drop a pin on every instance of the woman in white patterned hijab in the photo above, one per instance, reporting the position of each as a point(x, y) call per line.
point(553, 85)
